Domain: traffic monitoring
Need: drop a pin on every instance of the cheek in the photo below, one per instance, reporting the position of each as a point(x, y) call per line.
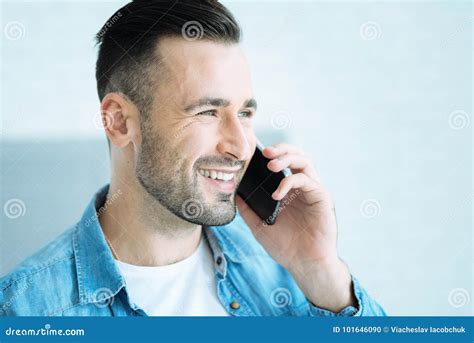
point(195, 143)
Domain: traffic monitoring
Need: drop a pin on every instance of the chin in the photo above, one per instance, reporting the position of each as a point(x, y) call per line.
point(210, 209)
point(219, 215)
point(222, 221)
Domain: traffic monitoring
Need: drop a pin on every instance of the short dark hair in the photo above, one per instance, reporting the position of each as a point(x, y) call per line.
point(127, 42)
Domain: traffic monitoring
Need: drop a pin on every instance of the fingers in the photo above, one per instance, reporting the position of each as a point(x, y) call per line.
point(300, 181)
point(281, 149)
point(288, 161)
point(297, 163)
point(304, 176)
point(284, 155)
point(313, 191)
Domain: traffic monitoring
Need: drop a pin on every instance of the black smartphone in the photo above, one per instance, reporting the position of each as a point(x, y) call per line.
point(258, 184)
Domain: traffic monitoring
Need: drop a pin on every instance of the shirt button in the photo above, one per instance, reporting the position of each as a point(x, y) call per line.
point(235, 305)
point(219, 261)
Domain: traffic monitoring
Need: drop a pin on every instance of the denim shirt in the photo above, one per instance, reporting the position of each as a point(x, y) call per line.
point(76, 275)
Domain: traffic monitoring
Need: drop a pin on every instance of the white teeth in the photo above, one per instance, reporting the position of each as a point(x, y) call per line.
point(216, 174)
point(227, 176)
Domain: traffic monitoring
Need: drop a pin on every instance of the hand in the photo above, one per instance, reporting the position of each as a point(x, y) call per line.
point(304, 236)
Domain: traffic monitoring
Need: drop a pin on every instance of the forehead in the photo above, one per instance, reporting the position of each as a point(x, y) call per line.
point(195, 69)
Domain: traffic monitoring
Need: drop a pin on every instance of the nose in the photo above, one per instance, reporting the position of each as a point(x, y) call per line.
point(234, 140)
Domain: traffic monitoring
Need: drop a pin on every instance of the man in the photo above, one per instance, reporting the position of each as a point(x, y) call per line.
point(168, 236)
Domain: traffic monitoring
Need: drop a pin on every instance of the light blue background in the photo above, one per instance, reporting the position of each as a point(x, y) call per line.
point(374, 114)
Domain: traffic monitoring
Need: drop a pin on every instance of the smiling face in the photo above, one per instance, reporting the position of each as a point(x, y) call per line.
point(198, 139)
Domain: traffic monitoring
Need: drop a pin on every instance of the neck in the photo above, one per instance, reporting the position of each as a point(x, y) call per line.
point(142, 231)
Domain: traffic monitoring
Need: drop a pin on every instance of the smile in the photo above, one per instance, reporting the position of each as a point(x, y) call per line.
point(216, 174)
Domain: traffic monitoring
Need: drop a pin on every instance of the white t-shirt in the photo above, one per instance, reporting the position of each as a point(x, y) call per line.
point(185, 288)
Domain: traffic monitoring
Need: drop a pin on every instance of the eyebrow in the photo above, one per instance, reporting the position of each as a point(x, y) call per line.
point(218, 102)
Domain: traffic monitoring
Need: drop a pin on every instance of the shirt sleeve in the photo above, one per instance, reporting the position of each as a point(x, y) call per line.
point(366, 306)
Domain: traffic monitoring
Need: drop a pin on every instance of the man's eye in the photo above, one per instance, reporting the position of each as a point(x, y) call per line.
point(246, 114)
point(207, 113)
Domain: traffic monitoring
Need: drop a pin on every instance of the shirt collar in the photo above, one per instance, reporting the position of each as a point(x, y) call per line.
point(221, 242)
point(98, 276)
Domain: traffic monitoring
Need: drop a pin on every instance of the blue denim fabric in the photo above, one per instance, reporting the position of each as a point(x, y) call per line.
point(76, 275)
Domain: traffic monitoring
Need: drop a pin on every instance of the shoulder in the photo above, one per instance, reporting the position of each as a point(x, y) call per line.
point(31, 287)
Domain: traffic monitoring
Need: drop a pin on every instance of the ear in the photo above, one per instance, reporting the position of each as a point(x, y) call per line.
point(120, 119)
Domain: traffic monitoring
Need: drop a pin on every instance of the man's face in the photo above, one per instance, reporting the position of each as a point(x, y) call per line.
point(199, 137)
